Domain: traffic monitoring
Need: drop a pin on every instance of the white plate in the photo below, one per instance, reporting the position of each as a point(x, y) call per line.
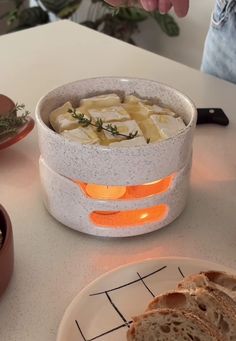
point(102, 311)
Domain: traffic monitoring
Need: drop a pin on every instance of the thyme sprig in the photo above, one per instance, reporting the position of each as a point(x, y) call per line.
point(99, 125)
point(11, 122)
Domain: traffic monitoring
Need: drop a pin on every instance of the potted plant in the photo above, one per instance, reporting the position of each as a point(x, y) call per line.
point(121, 23)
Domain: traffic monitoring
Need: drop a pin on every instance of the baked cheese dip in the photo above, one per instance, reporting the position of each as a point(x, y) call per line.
point(109, 121)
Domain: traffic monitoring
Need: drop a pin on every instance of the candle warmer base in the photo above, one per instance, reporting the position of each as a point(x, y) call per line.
point(157, 205)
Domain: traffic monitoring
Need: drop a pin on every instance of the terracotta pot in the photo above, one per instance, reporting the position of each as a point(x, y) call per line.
point(6, 251)
point(6, 105)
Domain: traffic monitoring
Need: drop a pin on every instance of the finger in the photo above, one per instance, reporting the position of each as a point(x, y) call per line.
point(181, 7)
point(164, 6)
point(149, 5)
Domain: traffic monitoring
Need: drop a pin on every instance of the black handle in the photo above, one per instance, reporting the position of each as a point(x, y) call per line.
point(212, 115)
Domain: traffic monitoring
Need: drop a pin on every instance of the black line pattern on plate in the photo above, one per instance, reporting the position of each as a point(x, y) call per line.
point(145, 285)
point(103, 334)
point(126, 323)
point(181, 272)
point(78, 326)
point(130, 283)
point(117, 310)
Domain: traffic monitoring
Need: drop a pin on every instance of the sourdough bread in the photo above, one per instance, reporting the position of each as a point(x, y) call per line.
point(193, 282)
point(169, 325)
point(224, 281)
point(202, 308)
point(204, 304)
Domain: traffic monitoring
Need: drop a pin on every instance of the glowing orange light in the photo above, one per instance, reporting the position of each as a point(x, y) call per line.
point(126, 193)
point(105, 192)
point(130, 218)
point(143, 215)
point(149, 189)
point(153, 182)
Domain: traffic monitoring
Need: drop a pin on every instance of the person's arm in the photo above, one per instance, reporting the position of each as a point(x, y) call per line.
point(180, 6)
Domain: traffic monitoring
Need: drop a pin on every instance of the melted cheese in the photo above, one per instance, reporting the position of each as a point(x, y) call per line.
point(126, 127)
point(100, 101)
point(168, 125)
point(138, 111)
point(150, 130)
point(161, 110)
point(113, 113)
point(61, 119)
point(83, 135)
point(153, 122)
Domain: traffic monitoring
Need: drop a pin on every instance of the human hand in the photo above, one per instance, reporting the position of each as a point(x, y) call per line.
point(180, 6)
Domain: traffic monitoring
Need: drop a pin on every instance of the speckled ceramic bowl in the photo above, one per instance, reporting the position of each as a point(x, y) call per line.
point(6, 251)
point(63, 160)
point(133, 165)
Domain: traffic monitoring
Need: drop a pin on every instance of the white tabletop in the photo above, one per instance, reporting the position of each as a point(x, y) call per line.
point(52, 262)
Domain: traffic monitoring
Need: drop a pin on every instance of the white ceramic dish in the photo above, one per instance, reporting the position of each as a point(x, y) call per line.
point(103, 310)
point(65, 164)
point(123, 166)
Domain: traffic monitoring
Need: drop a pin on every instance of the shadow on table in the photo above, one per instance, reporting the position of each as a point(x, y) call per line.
point(17, 169)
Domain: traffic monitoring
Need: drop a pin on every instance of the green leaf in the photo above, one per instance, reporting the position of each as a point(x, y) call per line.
point(67, 11)
point(33, 16)
point(132, 14)
point(167, 24)
point(62, 8)
point(12, 16)
point(118, 28)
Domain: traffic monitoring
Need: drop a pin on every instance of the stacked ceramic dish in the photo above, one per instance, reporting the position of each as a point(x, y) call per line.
point(154, 177)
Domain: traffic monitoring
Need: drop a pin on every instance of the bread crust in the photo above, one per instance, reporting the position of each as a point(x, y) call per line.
point(227, 282)
point(204, 304)
point(202, 308)
point(171, 324)
point(222, 294)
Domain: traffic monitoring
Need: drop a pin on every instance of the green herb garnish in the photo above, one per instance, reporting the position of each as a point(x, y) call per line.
point(11, 122)
point(99, 124)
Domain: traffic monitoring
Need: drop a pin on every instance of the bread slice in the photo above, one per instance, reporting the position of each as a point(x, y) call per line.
point(214, 279)
point(169, 325)
point(193, 282)
point(204, 304)
point(227, 282)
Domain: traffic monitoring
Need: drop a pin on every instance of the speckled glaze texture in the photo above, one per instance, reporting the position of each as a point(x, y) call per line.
point(68, 204)
point(120, 165)
point(63, 160)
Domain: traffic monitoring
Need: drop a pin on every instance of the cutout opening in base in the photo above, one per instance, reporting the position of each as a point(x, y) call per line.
point(121, 219)
point(103, 192)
